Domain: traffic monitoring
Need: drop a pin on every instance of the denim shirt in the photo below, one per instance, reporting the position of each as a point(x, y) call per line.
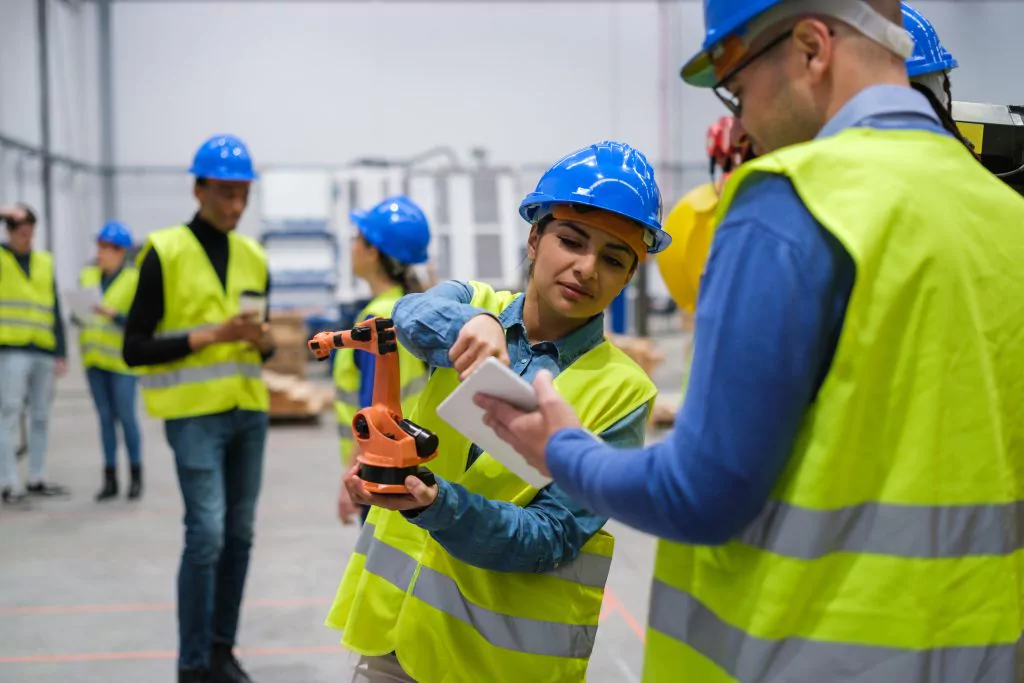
point(491, 534)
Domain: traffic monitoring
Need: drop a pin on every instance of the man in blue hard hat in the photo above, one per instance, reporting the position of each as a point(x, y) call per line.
point(839, 499)
point(199, 346)
point(32, 354)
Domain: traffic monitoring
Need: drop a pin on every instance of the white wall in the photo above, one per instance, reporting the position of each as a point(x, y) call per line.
point(74, 120)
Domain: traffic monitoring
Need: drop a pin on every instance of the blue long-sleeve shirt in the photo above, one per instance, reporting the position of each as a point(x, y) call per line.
point(60, 350)
point(772, 303)
point(493, 534)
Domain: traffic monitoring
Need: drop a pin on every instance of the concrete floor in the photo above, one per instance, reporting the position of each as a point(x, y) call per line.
point(87, 590)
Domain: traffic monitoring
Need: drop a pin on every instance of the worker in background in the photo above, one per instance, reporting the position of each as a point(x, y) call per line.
point(200, 358)
point(839, 497)
point(691, 222)
point(101, 340)
point(526, 568)
point(391, 238)
point(32, 354)
point(929, 68)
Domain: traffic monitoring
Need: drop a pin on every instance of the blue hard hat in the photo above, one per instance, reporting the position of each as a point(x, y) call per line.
point(929, 54)
point(117, 234)
point(609, 175)
point(397, 227)
point(722, 18)
point(223, 157)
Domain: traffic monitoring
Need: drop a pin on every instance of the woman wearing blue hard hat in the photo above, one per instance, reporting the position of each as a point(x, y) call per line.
point(483, 577)
point(391, 240)
point(929, 68)
point(101, 339)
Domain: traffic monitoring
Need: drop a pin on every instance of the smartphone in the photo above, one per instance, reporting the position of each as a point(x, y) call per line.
point(253, 302)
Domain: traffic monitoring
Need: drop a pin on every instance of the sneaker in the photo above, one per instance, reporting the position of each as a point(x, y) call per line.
point(41, 488)
point(193, 676)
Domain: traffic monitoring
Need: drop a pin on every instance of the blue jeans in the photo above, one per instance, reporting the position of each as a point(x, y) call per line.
point(219, 459)
point(114, 396)
point(24, 376)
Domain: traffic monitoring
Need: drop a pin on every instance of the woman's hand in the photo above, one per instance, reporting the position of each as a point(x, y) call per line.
point(420, 495)
point(481, 338)
point(347, 509)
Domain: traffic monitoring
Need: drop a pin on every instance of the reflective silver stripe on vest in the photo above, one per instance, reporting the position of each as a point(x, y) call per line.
point(203, 373)
point(414, 386)
point(103, 349)
point(530, 636)
point(350, 398)
point(918, 531)
point(386, 561)
point(16, 322)
point(682, 617)
point(25, 305)
point(588, 569)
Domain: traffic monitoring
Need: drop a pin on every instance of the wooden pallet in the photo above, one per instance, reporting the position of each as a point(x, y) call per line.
point(295, 399)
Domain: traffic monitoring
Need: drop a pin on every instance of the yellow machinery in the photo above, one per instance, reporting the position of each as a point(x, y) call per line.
point(997, 133)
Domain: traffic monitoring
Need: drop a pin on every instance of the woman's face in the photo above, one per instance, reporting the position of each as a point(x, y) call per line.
point(577, 269)
point(364, 257)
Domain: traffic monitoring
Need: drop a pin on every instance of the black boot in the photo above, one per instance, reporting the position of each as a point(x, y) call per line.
point(224, 668)
point(135, 488)
point(109, 489)
point(193, 676)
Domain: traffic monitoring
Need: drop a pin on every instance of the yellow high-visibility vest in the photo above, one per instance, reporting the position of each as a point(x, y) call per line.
point(101, 340)
point(27, 303)
point(891, 547)
point(347, 377)
point(448, 621)
point(219, 377)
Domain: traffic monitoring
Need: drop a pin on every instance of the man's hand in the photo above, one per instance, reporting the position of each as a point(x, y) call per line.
point(242, 327)
point(60, 367)
point(13, 212)
point(480, 338)
point(529, 433)
point(420, 495)
point(105, 311)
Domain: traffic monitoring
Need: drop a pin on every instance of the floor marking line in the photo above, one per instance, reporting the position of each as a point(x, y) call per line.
point(144, 607)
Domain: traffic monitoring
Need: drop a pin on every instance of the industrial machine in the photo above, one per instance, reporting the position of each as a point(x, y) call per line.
point(391, 447)
point(997, 133)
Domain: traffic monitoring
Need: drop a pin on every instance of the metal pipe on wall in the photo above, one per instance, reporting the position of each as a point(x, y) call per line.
point(42, 28)
point(106, 88)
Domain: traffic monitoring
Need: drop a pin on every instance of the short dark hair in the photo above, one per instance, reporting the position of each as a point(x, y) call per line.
point(30, 217)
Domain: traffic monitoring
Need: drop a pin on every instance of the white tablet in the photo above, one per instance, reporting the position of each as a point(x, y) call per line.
point(458, 410)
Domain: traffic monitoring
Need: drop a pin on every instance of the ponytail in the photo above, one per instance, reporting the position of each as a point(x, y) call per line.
point(945, 114)
point(402, 275)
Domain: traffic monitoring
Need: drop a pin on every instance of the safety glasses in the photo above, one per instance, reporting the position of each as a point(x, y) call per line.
point(721, 89)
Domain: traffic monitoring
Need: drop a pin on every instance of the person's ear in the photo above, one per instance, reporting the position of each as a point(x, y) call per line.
point(813, 41)
point(531, 243)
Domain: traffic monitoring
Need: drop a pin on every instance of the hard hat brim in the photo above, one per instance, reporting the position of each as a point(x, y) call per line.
point(699, 71)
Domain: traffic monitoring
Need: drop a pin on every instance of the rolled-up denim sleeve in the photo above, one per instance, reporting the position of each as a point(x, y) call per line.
point(500, 536)
point(429, 323)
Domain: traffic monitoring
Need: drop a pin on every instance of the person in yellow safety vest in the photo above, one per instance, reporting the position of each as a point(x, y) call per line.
point(483, 577)
point(32, 354)
point(691, 221)
point(199, 355)
point(390, 240)
point(840, 498)
point(101, 341)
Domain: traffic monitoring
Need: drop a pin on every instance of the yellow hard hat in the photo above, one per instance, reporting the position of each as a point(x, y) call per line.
point(691, 223)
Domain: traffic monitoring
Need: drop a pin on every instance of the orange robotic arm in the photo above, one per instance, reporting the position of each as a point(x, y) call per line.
point(393, 447)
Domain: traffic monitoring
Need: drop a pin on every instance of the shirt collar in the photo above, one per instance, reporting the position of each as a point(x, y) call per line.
point(879, 100)
point(204, 231)
point(570, 347)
